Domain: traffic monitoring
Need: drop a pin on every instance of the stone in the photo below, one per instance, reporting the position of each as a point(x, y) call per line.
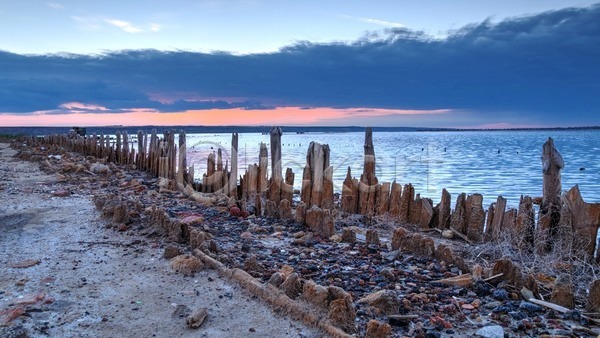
point(530, 307)
point(196, 319)
point(376, 329)
point(491, 331)
point(593, 303)
point(562, 292)
point(315, 294)
point(171, 252)
point(276, 279)
point(448, 234)
point(100, 169)
point(251, 265)
point(348, 236)
point(372, 237)
point(61, 193)
point(383, 302)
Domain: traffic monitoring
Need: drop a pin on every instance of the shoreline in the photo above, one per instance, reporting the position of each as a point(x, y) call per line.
point(261, 246)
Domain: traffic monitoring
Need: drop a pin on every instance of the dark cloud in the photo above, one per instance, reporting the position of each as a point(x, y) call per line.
point(534, 68)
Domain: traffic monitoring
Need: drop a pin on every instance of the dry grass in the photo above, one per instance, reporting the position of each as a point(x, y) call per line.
point(566, 256)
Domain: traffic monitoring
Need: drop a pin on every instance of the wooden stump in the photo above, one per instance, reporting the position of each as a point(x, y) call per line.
point(552, 163)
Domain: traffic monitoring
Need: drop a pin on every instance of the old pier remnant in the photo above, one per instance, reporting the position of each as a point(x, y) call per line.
point(549, 217)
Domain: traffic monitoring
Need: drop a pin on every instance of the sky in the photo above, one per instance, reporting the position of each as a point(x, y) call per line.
point(431, 63)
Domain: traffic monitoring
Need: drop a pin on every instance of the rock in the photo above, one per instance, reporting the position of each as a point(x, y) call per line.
point(315, 294)
point(187, 265)
point(388, 274)
point(192, 220)
point(376, 329)
point(392, 255)
point(196, 319)
point(235, 211)
point(251, 265)
point(492, 331)
point(448, 234)
point(348, 236)
point(530, 307)
point(61, 193)
point(500, 294)
point(372, 237)
point(593, 303)
point(171, 252)
point(291, 286)
point(384, 301)
point(562, 292)
point(276, 279)
point(122, 227)
point(100, 169)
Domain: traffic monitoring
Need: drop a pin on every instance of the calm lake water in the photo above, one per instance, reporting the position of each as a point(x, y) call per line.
point(506, 163)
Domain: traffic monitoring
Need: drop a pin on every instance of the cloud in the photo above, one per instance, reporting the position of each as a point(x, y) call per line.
point(534, 70)
point(154, 27)
point(124, 25)
point(374, 21)
point(55, 5)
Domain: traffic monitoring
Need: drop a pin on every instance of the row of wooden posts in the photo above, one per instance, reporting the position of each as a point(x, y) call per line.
point(564, 216)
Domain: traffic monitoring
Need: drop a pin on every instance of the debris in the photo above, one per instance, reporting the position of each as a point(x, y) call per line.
point(25, 264)
point(196, 319)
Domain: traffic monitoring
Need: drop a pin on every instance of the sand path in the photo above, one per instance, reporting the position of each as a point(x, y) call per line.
point(94, 282)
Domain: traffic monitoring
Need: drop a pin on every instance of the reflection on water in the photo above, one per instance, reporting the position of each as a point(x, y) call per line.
point(506, 163)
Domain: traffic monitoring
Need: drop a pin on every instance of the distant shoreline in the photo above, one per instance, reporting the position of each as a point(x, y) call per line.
point(260, 129)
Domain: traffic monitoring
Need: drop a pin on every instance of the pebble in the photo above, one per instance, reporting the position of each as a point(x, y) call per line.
point(530, 307)
point(500, 294)
point(492, 331)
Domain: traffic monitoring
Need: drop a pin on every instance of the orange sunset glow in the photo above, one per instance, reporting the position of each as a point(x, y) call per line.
point(211, 117)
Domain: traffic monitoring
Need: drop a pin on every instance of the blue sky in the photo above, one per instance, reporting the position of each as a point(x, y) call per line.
point(426, 63)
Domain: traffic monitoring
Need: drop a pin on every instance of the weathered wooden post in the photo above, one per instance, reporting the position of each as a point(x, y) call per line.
point(233, 175)
point(263, 163)
point(368, 180)
point(552, 163)
point(182, 165)
point(276, 178)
